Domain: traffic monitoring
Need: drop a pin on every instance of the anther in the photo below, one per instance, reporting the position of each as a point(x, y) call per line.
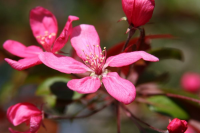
point(38, 37)
point(42, 42)
point(53, 34)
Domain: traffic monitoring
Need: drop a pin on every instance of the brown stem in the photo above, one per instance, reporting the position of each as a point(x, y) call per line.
point(78, 117)
point(130, 115)
point(141, 39)
point(172, 95)
point(118, 117)
point(130, 34)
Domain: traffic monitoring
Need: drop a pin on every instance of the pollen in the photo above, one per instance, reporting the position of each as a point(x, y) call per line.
point(38, 37)
point(46, 37)
point(42, 42)
point(94, 58)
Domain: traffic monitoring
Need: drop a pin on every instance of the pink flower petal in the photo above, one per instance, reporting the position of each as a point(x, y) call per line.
point(24, 63)
point(138, 12)
point(35, 123)
point(34, 50)
point(63, 38)
point(63, 63)
point(125, 59)
point(85, 37)
point(121, 89)
point(22, 112)
point(16, 48)
point(44, 26)
point(84, 85)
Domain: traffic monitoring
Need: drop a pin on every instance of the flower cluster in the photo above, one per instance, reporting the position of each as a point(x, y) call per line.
point(86, 42)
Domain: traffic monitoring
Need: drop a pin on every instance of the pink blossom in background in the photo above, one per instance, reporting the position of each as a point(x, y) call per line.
point(190, 130)
point(25, 113)
point(86, 42)
point(138, 12)
point(44, 27)
point(177, 126)
point(190, 82)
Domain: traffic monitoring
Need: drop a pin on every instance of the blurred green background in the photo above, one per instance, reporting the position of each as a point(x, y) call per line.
point(176, 17)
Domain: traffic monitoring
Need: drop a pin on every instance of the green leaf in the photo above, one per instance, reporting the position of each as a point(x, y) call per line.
point(165, 105)
point(167, 53)
point(150, 76)
point(56, 88)
point(9, 89)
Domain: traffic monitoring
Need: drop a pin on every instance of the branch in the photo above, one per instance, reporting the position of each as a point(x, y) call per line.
point(118, 117)
point(78, 117)
point(130, 115)
point(171, 95)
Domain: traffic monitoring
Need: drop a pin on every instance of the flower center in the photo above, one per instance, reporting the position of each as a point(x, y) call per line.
point(95, 60)
point(44, 39)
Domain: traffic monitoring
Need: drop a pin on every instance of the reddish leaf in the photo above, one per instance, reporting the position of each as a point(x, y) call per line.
point(118, 47)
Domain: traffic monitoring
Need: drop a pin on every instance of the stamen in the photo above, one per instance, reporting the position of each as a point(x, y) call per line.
point(45, 37)
point(42, 38)
point(53, 34)
point(38, 37)
point(42, 42)
point(94, 58)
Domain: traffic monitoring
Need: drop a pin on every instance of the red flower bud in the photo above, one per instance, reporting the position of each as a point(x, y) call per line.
point(177, 126)
point(138, 12)
point(25, 113)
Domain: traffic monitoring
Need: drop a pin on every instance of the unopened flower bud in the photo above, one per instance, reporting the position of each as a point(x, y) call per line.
point(177, 126)
point(138, 12)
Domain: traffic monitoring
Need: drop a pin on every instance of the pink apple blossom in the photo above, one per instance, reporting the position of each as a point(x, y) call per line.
point(177, 126)
point(86, 42)
point(191, 82)
point(25, 113)
point(44, 26)
point(138, 12)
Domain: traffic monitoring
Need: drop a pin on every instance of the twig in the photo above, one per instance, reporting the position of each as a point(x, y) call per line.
point(118, 117)
point(130, 34)
point(130, 115)
point(171, 95)
point(78, 117)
